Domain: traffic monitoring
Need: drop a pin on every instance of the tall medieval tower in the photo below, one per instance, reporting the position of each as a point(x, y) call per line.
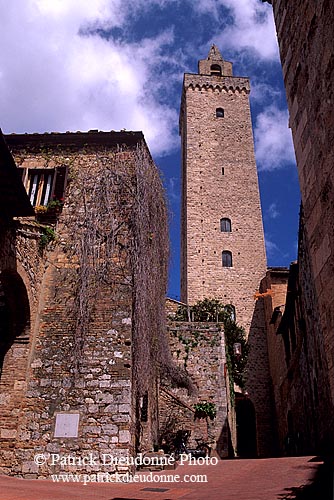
point(222, 243)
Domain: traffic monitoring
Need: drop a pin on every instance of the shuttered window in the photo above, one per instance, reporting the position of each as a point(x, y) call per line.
point(44, 185)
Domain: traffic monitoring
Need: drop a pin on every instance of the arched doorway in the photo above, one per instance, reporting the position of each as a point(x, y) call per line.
point(246, 427)
point(14, 348)
point(14, 315)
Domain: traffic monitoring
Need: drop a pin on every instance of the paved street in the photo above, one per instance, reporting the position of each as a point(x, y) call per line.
point(266, 479)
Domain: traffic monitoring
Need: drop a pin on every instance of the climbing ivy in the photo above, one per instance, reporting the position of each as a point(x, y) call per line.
point(207, 310)
point(48, 234)
point(205, 409)
point(236, 334)
point(197, 338)
point(212, 310)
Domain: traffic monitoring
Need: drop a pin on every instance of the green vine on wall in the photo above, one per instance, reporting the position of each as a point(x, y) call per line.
point(206, 310)
point(212, 310)
point(197, 339)
point(48, 234)
point(236, 334)
point(205, 409)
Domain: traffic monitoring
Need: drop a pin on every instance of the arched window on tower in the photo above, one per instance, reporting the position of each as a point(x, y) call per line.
point(216, 70)
point(225, 225)
point(219, 113)
point(227, 258)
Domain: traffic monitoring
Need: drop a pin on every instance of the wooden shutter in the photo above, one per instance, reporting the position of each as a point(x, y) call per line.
point(59, 183)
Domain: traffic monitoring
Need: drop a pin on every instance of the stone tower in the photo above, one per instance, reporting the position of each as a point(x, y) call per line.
point(222, 243)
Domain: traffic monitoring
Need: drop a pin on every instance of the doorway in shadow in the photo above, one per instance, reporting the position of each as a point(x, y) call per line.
point(14, 317)
point(246, 427)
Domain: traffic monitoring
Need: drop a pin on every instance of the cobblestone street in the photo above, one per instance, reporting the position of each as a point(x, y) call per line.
point(267, 479)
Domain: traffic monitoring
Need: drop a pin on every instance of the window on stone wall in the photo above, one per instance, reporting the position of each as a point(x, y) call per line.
point(216, 70)
point(223, 171)
point(227, 258)
point(39, 186)
point(225, 225)
point(219, 113)
point(44, 185)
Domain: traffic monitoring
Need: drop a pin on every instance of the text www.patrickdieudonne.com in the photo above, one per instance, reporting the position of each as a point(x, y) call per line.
point(105, 477)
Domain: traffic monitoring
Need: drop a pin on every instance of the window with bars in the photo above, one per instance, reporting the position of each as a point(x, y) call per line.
point(44, 185)
point(39, 186)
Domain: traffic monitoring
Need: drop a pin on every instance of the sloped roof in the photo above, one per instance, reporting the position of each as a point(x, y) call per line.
point(92, 137)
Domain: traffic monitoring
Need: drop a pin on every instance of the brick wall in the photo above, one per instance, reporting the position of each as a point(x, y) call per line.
point(19, 289)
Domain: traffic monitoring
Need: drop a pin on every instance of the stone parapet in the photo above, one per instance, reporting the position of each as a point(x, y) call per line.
point(221, 83)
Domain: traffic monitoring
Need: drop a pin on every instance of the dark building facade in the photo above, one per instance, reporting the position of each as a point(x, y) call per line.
point(306, 43)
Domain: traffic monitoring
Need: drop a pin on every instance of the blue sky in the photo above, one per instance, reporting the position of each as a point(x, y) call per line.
point(115, 64)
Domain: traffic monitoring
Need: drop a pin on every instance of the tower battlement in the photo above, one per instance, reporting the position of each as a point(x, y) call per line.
point(221, 83)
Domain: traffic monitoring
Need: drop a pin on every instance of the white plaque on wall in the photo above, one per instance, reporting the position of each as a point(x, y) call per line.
point(66, 425)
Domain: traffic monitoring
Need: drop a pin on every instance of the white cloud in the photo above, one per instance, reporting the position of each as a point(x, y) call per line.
point(273, 140)
point(252, 27)
point(272, 211)
point(271, 248)
point(262, 92)
point(207, 6)
point(58, 74)
point(173, 189)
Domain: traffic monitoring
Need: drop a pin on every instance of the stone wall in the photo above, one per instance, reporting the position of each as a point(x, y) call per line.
point(69, 385)
point(307, 56)
point(219, 181)
point(200, 349)
point(275, 286)
point(319, 403)
point(20, 285)
point(259, 384)
point(297, 360)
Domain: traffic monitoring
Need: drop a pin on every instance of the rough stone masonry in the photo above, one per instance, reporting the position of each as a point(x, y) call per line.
point(69, 294)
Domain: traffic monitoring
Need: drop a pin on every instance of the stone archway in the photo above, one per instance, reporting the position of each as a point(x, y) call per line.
point(246, 427)
point(14, 346)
